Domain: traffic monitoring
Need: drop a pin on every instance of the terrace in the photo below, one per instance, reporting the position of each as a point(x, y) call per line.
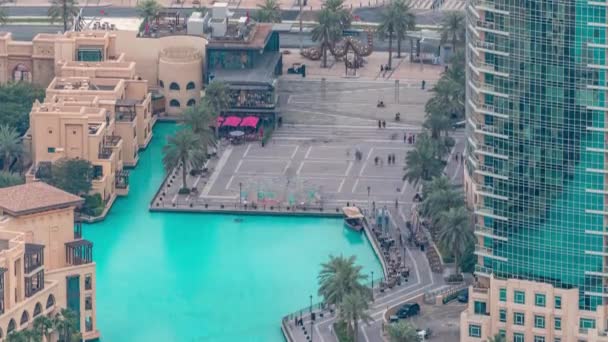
point(79, 252)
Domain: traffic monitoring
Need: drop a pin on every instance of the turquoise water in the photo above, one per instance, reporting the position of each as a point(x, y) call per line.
point(197, 277)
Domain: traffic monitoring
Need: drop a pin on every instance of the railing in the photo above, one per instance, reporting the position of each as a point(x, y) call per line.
point(111, 140)
point(491, 150)
point(483, 269)
point(484, 250)
point(489, 231)
point(125, 116)
point(491, 67)
point(478, 289)
point(105, 153)
point(491, 169)
point(491, 108)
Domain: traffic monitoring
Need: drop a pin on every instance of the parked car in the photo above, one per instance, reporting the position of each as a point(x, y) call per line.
point(463, 297)
point(408, 310)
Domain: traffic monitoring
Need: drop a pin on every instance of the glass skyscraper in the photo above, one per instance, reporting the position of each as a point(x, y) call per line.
point(537, 142)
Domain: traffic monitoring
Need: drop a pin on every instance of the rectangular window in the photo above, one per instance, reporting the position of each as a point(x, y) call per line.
point(474, 330)
point(518, 318)
point(50, 150)
point(502, 295)
point(479, 308)
point(586, 323)
point(518, 337)
point(88, 282)
point(502, 315)
point(519, 297)
point(539, 339)
point(502, 333)
point(558, 323)
point(539, 322)
point(558, 302)
point(539, 299)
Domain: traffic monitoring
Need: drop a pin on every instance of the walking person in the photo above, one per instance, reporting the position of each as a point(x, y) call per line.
point(379, 124)
point(405, 137)
point(383, 124)
point(413, 138)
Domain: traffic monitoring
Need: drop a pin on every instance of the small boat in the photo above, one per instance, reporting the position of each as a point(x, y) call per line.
point(353, 219)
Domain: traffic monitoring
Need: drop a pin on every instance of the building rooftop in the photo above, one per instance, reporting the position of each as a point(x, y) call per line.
point(35, 197)
point(256, 39)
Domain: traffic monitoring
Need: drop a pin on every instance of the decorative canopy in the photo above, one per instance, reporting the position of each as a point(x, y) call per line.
point(232, 121)
point(250, 121)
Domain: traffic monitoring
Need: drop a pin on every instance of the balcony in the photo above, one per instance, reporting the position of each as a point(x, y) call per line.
point(484, 129)
point(480, 86)
point(490, 151)
point(79, 252)
point(490, 7)
point(490, 69)
point(489, 212)
point(487, 26)
point(488, 232)
point(488, 253)
point(111, 141)
point(483, 271)
point(126, 110)
point(34, 257)
point(105, 153)
point(489, 191)
point(491, 171)
point(77, 230)
point(122, 179)
point(34, 283)
point(2, 306)
point(488, 109)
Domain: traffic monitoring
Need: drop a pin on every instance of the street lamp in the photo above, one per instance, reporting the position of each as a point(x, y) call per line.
point(372, 286)
point(311, 329)
point(240, 194)
point(369, 205)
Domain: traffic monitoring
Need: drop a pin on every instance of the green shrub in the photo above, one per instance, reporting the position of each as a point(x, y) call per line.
point(93, 205)
point(184, 191)
point(341, 330)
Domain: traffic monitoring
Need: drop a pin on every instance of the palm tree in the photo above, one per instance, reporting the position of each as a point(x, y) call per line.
point(345, 16)
point(327, 31)
point(184, 148)
point(497, 338)
point(199, 118)
point(453, 28)
point(353, 308)
point(65, 10)
point(407, 22)
point(339, 277)
point(10, 146)
point(23, 336)
point(389, 21)
point(438, 202)
point(66, 324)
point(437, 118)
point(455, 234)
point(424, 161)
point(217, 97)
point(43, 326)
point(10, 179)
point(148, 9)
point(402, 331)
point(269, 12)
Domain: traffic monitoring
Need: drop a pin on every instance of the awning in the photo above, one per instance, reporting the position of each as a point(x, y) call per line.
point(352, 212)
point(232, 121)
point(250, 121)
point(219, 121)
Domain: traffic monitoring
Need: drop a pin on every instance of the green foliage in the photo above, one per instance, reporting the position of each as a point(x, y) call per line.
point(64, 10)
point(16, 99)
point(402, 331)
point(467, 263)
point(186, 149)
point(497, 338)
point(72, 175)
point(217, 97)
point(10, 146)
point(453, 29)
point(424, 162)
point(199, 119)
point(353, 309)
point(43, 326)
point(396, 20)
point(339, 277)
point(455, 232)
point(66, 323)
point(344, 15)
point(268, 12)
point(10, 179)
point(327, 31)
point(341, 330)
point(148, 9)
point(93, 205)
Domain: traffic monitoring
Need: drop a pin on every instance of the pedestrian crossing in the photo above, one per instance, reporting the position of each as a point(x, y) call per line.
point(445, 5)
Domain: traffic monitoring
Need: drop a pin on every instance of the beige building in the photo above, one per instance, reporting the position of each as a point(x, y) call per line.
point(524, 310)
point(45, 265)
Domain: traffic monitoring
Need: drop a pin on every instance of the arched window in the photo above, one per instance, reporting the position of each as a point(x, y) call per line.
point(50, 301)
point(191, 102)
point(190, 85)
point(174, 103)
point(25, 317)
point(22, 73)
point(11, 326)
point(37, 309)
point(174, 86)
point(161, 83)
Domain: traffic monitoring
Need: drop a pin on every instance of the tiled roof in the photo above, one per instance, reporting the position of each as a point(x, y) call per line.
point(34, 197)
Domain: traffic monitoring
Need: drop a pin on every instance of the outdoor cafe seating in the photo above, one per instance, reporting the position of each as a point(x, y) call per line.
point(238, 130)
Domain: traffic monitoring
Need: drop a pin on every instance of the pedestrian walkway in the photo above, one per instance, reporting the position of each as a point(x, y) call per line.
point(446, 5)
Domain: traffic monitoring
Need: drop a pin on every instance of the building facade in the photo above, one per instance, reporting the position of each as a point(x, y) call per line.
point(45, 265)
point(535, 168)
